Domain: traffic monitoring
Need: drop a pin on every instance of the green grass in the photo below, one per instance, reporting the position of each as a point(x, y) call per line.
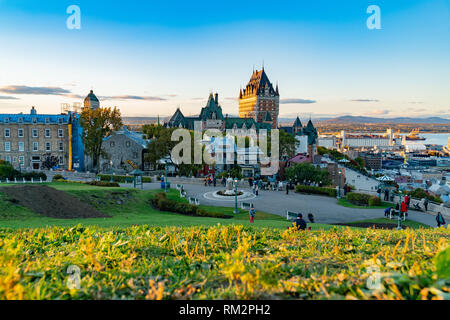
point(136, 211)
point(408, 223)
point(223, 262)
point(345, 203)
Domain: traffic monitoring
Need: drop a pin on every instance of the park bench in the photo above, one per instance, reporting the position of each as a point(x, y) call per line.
point(179, 186)
point(291, 215)
point(194, 201)
point(183, 194)
point(246, 205)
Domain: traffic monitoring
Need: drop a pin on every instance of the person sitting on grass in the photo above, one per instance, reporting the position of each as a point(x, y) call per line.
point(299, 223)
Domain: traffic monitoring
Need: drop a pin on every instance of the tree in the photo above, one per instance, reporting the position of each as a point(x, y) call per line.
point(98, 124)
point(288, 144)
point(49, 162)
point(308, 172)
point(161, 146)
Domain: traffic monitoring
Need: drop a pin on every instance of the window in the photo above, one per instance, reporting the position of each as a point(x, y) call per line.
point(48, 146)
point(21, 146)
point(6, 120)
point(14, 159)
point(7, 133)
point(22, 160)
point(35, 146)
point(61, 146)
point(20, 133)
point(60, 120)
point(47, 120)
point(61, 160)
point(20, 120)
point(47, 133)
point(60, 133)
point(8, 146)
point(35, 133)
point(34, 120)
point(8, 159)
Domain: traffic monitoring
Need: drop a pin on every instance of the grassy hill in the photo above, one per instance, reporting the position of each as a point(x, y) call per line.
point(223, 262)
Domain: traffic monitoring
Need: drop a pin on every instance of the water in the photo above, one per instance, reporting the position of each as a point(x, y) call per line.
point(436, 138)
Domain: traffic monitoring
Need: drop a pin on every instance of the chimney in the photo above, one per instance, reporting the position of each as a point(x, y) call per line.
point(216, 98)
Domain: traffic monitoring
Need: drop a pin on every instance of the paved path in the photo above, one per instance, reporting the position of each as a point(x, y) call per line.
point(325, 209)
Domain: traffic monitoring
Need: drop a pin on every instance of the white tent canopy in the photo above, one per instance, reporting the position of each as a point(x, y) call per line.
point(385, 179)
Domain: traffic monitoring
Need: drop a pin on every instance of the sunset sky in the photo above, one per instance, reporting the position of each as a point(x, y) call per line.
point(149, 58)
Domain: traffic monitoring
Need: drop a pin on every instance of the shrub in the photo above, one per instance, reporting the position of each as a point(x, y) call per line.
point(421, 194)
point(374, 202)
point(160, 202)
point(33, 175)
point(57, 177)
point(361, 199)
point(122, 179)
point(316, 190)
point(103, 184)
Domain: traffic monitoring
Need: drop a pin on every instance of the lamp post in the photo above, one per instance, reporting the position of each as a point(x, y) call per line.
point(236, 211)
point(399, 226)
point(112, 171)
point(339, 177)
point(165, 176)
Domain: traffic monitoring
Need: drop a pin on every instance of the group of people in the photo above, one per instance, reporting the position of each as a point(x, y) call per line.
point(210, 180)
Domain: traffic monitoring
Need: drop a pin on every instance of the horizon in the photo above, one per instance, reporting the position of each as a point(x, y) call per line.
point(148, 58)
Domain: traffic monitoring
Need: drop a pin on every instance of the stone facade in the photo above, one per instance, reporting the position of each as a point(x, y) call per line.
point(126, 149)
point(27, 140)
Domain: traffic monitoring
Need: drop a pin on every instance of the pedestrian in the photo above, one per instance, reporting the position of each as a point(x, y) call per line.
point(256, 190)
point(425, 203)
point(252, 214)
point(287, 188)
point(206, 181)
point(250, 181)
point(215, 181)
point(440, 220)
point(224, 181)
point(299, 223)
point(386, 195)
point(404, 209)
point(345, 189)
point(253, 188)
point(407, 200)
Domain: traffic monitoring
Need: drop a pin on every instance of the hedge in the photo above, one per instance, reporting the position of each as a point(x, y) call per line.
point(331, 192)
point(160, 202)
point(122, 179)
point(91, 183)
point(362, 199)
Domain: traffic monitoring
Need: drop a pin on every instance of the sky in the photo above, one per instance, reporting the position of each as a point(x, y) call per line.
point(148, 58)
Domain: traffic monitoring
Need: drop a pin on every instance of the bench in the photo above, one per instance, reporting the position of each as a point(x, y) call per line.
point(194, 201)
point(179, 186)
point(246, 205)
point(291, 215)
point(183, 194)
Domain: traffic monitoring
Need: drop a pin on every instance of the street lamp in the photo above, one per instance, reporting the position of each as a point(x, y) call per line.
point(236, 211)
point(112, 171)
point(165, 176)
point(399, 226)
point(339, 191)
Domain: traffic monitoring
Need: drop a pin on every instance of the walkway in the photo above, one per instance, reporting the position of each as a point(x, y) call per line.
point(325, 209)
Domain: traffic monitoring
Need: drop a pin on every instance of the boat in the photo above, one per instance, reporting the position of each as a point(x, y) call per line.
point(414, 136)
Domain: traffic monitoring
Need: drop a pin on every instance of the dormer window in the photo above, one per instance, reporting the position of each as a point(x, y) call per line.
point(6, 120)
point(47, 120)
point(20, 120)
point(60, 120)
point(34, 120)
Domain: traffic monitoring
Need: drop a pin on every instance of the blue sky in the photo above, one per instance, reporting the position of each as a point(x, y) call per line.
point(150, 57)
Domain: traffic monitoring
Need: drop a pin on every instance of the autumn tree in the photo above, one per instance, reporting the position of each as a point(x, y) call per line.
point(98, 124)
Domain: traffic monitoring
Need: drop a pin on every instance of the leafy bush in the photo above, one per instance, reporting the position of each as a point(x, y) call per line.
point(421, 194)
point(361, 199)
point(58, 177)
point(374, 201)
point(103, 184)
point(316, 190)
point(36, 176)
point(308, 172)
point(161, 203)
point(122, 179)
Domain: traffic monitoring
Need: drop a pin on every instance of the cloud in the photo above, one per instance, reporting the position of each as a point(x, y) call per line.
point(130, 97)
point(379, 112)
point(34, 90)
point(294, 101)
point(8, 98)
point(365, 100)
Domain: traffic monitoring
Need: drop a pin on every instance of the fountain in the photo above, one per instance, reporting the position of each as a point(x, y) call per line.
point(230, 190)
point(229, 193)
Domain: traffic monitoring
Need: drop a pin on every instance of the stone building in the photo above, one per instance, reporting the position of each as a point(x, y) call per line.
point(259, 100)
point(27, 141)
point(126, 151)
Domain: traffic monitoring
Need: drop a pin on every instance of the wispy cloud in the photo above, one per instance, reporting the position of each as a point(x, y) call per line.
point(365, 100)
point(130, 97)
point(34, 90)
point(295, 101)
point(8, 98)
point(379, 112)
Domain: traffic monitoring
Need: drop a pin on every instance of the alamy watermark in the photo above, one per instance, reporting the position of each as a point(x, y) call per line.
point(213, 147)
point(374, 21)
point(74, 278)
point(73, 22)
point(374, 279)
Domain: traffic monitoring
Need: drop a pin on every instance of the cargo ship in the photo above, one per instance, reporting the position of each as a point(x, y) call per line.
point(414, 136)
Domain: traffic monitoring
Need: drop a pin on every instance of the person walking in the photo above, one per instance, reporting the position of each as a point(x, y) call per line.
point(252, 214)
point(287, 188)
point(386, 195)
point(215, 181)
point(440, 220)
point(256, 190)
point(404, 209)
point(407, 200)
point(425, 203)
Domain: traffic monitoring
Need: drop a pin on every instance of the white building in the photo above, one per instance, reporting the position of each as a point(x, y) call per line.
point(328, 142)
point(370, 141)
